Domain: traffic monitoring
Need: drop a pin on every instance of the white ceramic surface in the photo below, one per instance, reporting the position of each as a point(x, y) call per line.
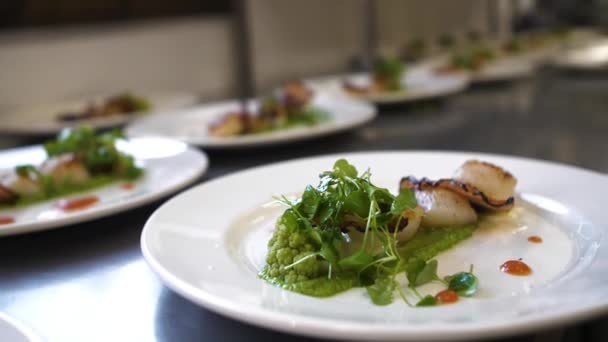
point(42, 119)
point(12, 330)
point(419, 83)
point(169, 166)
point(593, 56)
point(209, 243)
point(191, 125)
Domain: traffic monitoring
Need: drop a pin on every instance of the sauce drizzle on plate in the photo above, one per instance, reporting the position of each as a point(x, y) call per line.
point(6, 220)
point(447, 297)
point(128, 186)
point(77, 203)
point(535, 239)
point(516, 268)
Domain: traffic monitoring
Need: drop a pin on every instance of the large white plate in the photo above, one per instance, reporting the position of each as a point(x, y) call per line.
point(169, 165)
point(419, 84)
point(191, 125)
point(41, 119)
point(12, 330)
point(208, 244)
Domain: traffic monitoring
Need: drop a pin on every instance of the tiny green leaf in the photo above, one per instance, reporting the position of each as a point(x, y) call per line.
point(413, 269)
point(309, 203)
point(357, 261)
point(357, 202)
point(428, 300)
point(329, 252)
point(405, 200)
point(343, 168)
point(382, 292)
point(427, 274)
point(25, 170)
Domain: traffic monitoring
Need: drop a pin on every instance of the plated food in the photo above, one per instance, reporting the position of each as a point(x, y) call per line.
point(386, 76)
point(294, 113)
point(82, 175)
point(102, 111)
point(518, 282)
point(77, 160)
point(346, 232)
point(119, 104)
point(290, 107)
point(420, 82)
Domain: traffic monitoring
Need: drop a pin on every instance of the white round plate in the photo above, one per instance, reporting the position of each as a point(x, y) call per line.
point(42, 119)
point(591, 57)
point(191, 125)
point(169, 166)
point(418, 84)
point(209, 243)
point(12, 330)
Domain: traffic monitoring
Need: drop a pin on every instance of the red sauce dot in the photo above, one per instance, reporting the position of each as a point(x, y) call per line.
point(447, 297)
point(6, 220)
point(128, 186)
point(535, 239)
point(77, 203)
point(516, 268)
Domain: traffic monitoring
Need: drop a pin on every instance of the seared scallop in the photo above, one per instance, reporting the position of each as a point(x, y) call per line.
point(231, 124)
point(23, 185)
point(443, 207)
point(65, 169)
point(413, 218)
point(496, 183)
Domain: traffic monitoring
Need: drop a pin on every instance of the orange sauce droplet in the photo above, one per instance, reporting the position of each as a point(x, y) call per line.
point(447, 297)
point(516, 268)
point(6, 220)
point(535, 239)
point(77, 203)
point(128, 186)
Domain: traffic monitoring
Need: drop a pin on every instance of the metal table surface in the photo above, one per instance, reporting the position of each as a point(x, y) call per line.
point(89, 282)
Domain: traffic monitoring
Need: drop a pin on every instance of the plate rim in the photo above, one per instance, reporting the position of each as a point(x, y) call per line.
point(111, 209)
point(25, 330)
point(338, 329)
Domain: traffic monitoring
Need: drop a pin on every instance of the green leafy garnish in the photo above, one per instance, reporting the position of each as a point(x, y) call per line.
point(313, 249)
point(388, 72)
point(428, 300)
point(382, 292)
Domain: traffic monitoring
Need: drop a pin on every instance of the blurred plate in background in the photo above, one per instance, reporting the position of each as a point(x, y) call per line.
point(191, 126)
point(169, 165)
point(419, 83)
point(42, 119)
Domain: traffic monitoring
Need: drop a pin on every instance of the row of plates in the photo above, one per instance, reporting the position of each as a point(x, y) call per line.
point(421, 82)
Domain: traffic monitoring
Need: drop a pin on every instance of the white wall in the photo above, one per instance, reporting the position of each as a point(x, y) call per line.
point(179, 55)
